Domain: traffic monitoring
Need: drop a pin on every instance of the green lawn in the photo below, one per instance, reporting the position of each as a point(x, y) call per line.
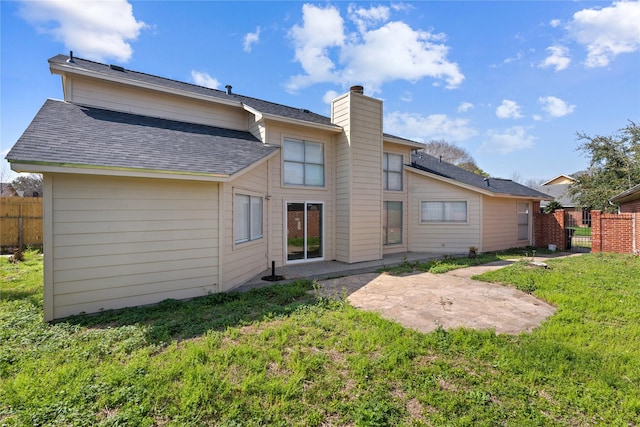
point(280, 356)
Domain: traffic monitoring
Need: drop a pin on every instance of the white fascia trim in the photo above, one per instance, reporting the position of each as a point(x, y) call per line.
point(62, 69)
point(412, 144)
point(260, 116)
point(559, 176)
point(107, 171)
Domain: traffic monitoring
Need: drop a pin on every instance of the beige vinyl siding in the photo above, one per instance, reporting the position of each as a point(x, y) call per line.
point(399, 196)
point(340, 114)
point(281, 194)
point(442, 237)
point(154, 104)
point(119, 242)
point(359, 190)
point(243, 261)
point(500, 224)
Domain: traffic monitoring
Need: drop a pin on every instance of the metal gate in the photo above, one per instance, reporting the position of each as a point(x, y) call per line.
point(578, 230)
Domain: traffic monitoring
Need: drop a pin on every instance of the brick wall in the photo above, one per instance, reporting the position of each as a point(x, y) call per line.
point(615, 232)
point(630, 207)
point(549, 229)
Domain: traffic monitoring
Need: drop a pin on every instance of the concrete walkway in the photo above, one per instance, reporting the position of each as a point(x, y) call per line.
point(425, 301)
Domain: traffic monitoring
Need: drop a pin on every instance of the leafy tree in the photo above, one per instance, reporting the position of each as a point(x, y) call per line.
point(30, 185)
point(453, 154)
point(614, 167)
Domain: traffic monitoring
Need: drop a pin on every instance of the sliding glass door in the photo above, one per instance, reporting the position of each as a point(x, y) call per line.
point(305, 229)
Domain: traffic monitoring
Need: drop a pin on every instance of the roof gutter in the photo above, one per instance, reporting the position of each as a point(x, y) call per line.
point(50, 167)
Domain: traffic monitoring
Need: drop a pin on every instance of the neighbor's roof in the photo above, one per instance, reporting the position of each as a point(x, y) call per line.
point(560, 193)
point(70, 135)
point(626, 196)
point(425, 162)
point(60, 62)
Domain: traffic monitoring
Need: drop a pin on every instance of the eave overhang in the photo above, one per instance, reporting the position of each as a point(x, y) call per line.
point(84, 169)
point(260, 116)
point(63, 69)
point(471, 187)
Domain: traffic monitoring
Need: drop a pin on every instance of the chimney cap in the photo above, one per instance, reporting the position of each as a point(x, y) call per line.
point(357, 89)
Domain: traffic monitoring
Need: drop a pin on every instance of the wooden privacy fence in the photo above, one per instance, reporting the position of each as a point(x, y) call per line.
point(20, 222)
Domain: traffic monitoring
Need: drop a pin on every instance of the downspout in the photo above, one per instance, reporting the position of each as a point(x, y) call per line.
point(615, 206)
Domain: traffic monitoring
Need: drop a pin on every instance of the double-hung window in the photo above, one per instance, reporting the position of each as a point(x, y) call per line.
point(303, 163)
point(454, 211)
point(392, 223)
point(247, 218)
point(392, 171)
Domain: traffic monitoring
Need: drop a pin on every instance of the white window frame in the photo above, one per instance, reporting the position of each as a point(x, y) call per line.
point(250, 220)
point(521, 216)
point(322, 227)
point(305, 163)
point(386, 171)
point(385, 226)
point(443, 219)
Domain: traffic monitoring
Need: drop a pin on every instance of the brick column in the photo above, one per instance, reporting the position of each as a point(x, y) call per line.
point(559, 235)
point(596, 231)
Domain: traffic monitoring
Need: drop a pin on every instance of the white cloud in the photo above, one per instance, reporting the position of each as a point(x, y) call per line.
point(329, 96)
point(607, 32)
point(516, 58)
point(508, 110)
point(250, 39)
point(555, 107)
point(464, 107)
point(203, 79)
point(432, 127)
point(365, 18)
point(92, 29)
point(555, 23)
point(370, 56)
point(507, 140)
point(321, 29)
point(406, 97)
point(559, 58)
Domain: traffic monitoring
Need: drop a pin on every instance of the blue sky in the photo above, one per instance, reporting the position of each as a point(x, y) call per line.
point(511, 82)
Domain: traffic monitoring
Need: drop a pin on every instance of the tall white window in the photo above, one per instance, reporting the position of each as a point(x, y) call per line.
point(392, 223)
point(444, 211)
point(392, 171)
point(523, 221)
point(247, 218)
point(303, 163)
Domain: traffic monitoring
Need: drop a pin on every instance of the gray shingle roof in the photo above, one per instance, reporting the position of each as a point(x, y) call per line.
point(63, 133)
point(560, 193)
point(427, 163)
point(257, 104)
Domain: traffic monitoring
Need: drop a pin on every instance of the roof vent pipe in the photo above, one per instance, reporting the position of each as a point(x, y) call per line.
point(487, 181)
point(70, 57)
point(357, 89)
point(229, 87)
point(440, 159)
